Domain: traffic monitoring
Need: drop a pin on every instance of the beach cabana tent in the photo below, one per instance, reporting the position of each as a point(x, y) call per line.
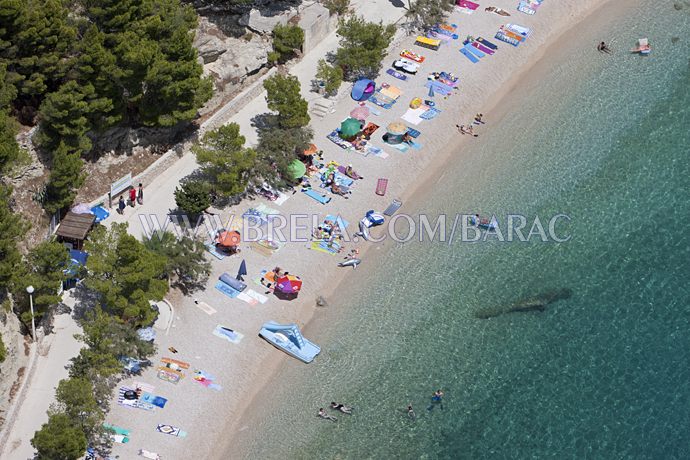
point(296, 170)
point(350, 128)
point(363, 89)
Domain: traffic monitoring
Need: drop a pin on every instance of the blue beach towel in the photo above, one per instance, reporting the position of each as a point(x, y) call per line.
point(210, 247)
point(317, 196)
point(487, 43)
point(504, 38)
point(474, 51)
point(469, 55)
point(401, 147)
point(429, 114)
point(440, 88)
point(227, 290)
point(413, 132)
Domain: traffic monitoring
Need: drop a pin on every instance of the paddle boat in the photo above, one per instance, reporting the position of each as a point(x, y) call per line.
point(642, 47)
point(288, 338)
point(411, 55)
point(406, 65)
point(483, 223)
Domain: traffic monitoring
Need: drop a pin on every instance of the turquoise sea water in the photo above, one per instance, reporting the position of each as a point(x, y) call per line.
point(603, 374)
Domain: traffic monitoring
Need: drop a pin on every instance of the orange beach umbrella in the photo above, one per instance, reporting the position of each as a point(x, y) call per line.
point(228, 239)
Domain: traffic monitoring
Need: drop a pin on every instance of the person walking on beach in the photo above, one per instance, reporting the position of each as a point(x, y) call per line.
point(410, 412)
point(478, 119)
point(324, 415)
point(602, 48)
point(140, 194)
point(132, 196)
point(121, 205)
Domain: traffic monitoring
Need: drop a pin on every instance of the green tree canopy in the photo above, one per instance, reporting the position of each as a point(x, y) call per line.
point(362, 46)
point(425, 14)
point(12, 227)
point(44, 271)
point(332, 76)
point(125, 274)
point(186, 267)
point(66, 177)
point(225, 161)
point(193, 197)
point(277, 148)
point(59, 439)
point(287, 39)
point(74, 397)
point(284, 97)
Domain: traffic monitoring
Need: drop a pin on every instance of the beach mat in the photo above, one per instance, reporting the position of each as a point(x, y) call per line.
point(227, 290)
point(317, 196)
point(431, 113)
point(252, 297)
point(483, 48)
point(263, 250)
point(402, 147)
point(206, 308)
point(396, 74)
point(381, 186)
point(467, 4)
point(392, 208)
point(504, 38)
point(228, 334)
point(170, 430)
point(157, 401)
point(211, 247)
point(469, 55)
point(487, 43)
point(135, 403)
point(474, 50)
point(413, 132)
point(207, 380)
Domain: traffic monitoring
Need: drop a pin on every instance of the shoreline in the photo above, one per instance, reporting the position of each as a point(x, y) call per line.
point(416, 195)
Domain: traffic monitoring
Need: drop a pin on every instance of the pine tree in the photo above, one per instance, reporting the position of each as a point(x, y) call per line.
point(284, 97)
point(224, 160)
point(12, 227)
point(65, 178)
point(60, 438)
point(187, 267)
point(193, 198)
point(362, 46)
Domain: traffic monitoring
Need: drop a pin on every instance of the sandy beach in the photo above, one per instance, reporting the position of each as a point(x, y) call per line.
point(245, 370)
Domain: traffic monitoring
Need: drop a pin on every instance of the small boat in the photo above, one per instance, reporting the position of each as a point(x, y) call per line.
point(642, 47)
point(288, 338)
point(483, 223)
point(414, 56)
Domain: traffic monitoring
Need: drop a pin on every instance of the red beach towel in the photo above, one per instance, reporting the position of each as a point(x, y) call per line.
point(381, 186)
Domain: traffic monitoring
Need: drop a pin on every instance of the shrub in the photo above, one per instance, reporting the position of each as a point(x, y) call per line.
point(337, 6)
point(287, 40)
point(332, 76)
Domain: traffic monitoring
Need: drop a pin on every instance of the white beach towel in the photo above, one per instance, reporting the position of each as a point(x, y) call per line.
point(282, 198)
point(236, 339)
point(206, 308)
point(413, 116)
point(145, 387)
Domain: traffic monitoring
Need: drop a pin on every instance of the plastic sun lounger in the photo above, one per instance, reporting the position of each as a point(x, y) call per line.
point(381, 186)
point(392, 208)
point(487, 43)
point(317, 196)
point(474, 50)
point(469, 55)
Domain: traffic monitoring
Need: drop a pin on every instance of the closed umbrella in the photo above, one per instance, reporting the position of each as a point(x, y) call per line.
point(289, 284)
point(228, 239)
point(360, 113)
point(242, 271)
point(296, 170)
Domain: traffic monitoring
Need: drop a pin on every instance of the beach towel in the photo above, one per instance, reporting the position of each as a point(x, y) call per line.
point(483, 48)
point(390, 91)
point(524, 7)
point(376, 151)
point(282, 198)
point(402, 147)
point(415, 145)
point(148, 454)
point(431, 113)
point(323, 246)
point(520, 30)
point(369, 129)
point(252, 297)
point(392, 208)
point(413, 132)
point(121, 435)
point(413, 116)
point(143, 386)
point(374, 110)
point(174, 363)
point(170, 430)
point(469, 55)
point(382, 101)
point(381, 186)
point(474, 50)
point(152, 399)
point(227, 290)
point(169, 375)
point(487, 43)
point(438, 87)
point(396, 74)
point(228, 334)
point(207, 380)
point(339, 221)
point(211, 247)
point(334, 137)
point(206, 308)
point(467, 4)
point(504, 38)
point(265, 247)
point(317, 196)
point(135, 403)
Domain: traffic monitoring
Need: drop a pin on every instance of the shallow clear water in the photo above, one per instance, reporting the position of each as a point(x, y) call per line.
point(602, 374)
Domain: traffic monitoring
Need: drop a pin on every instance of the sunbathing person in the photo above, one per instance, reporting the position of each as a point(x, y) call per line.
point(351, 173)
point(342, 408)
point(338, 191)
point(499, 11)
point(407, 138)
point(466, 130)
point(322, 413)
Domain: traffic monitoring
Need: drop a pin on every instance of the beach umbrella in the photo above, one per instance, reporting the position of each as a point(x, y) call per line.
point(228, 239)
point(296, 169)
point(360, 113)
point(350, 128)
point(396, 128)
point(289, 284)
point(431, 90)
point(242, 271)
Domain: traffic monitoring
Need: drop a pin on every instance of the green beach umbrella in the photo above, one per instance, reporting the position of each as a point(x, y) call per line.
point(350, 128)
point(296, 169)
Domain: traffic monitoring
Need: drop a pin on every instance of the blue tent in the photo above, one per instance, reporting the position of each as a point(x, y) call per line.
point(363, 89)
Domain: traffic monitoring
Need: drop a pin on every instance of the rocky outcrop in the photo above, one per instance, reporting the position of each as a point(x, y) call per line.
point(255, 21)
